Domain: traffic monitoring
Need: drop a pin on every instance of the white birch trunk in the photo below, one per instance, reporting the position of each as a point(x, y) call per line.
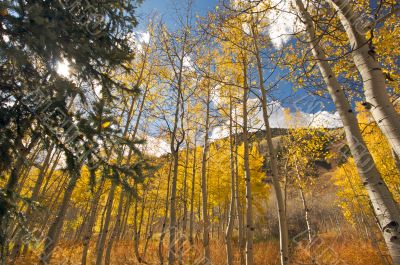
point(374, 80)
point(385, 208)
point(231, 217)
point(247, 176)
point(271, 153)
point(204, 192)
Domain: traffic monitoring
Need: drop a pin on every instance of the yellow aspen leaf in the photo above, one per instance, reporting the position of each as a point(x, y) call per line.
point(106, 125)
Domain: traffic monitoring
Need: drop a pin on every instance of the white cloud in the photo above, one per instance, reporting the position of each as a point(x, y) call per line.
point(144, 37)
point(319, 119)
point(219, 132)
point(187, 63)
point(282, 22)
point(138, 39)
point(155, 146)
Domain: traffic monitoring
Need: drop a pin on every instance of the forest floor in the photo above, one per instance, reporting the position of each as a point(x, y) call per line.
point(328, 249)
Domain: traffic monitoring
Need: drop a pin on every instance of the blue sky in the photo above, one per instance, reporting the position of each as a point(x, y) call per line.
point(284, 92)
point(165, 8)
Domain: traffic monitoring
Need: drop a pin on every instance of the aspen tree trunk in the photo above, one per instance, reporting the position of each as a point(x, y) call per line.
point(247, 176)
point(385, 208)
point(151, 220)
point(88, 233)
point(396, 159)
point(204, 192)
point(199, 210)
point(107, 220)
point(184, 219)
point(125, 218)
point(136, 232)
point(35, 192)
point(271, 154)
point(42, 175)
point(191, 221)
point(56, 227)
point(114, 232)
point(7, 199)
point(164, 225)
point(27, 167)
point(105, 228)
point(382, 110)
point(58, 192)
point(237, 195)
point(231, 218)
point(53, 168)
point(306, 213)
point(79, 231)
point(142, 210)
point(174, 146)
point(147, 232)
point(149, 235)
point(172, 224)
point(137, 228)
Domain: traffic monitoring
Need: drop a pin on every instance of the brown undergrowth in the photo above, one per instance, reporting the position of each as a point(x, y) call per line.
point(326, 249)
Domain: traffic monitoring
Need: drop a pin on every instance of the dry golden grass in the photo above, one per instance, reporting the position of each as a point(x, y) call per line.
point(327, 249)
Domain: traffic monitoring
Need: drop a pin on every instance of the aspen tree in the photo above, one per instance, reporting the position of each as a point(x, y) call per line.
point(374, 80)
point(385, 208)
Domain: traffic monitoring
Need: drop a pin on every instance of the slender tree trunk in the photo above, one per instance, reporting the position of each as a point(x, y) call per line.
point(142, 209)
point(34, 196)
point(306, 213)
point(396, 159)
point(247, 176)
point(107, 220)
point(103, 217)
point(125, 218)
point(42, 174)
point(164, 225)
point(237, 195)
point(79, 231)
point(114, 232)
point(382, 110)
point(58, 192)
point(27, 167)
point(204, 192)
point(184, 218)
point(152, 213)
point(231, 218)
point(56, 227)
point(271, 154)
point(191, 222)
point(7, 199)
point(53, 168)
point(385, 208)
point(136, 232)
point(174, 147)
point(172, 224)
point(88, 233)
